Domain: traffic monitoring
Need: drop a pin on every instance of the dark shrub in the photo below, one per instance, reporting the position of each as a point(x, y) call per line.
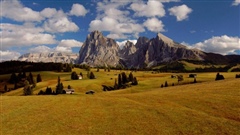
point(41, 92)
point(219, 77)
point(192, 75)
point(237, 75)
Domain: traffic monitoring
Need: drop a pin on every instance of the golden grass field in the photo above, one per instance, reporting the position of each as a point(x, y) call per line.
point(208, 107)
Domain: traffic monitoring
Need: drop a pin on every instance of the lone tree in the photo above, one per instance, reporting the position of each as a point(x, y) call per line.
point(74, 76)
point(59, 87)
point(166, 84)
point(39, 78)
point(27, 88)
point(91, 76)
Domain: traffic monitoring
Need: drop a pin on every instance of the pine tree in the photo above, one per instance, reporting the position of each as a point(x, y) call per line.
point(119, 81)
point(30, 78)
point(59, 87)
point(13, 79)
point(124, 78)
point(166, 84)
point(27, 89)
point(92, 76)
point(130, 77)
point(39, 78)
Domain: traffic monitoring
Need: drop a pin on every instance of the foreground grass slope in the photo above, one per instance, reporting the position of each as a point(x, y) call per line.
point(211, 107)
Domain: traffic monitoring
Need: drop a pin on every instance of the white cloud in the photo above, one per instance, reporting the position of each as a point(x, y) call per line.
point(181, 12)
point(78, 10)
point(14, 10)
point(60, 23)
point(123, 43)
point(236, 2)
point(70, 43)
point(63, 49)
point(40, 49)
point(8, 55)
point(220, 44)
point(117, 36)
point(116, 29)
point(24, 35)
point(154, 25)
point(150, 9)
point(48, 12)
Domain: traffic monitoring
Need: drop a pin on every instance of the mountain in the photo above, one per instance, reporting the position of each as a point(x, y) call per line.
point(98, 50)
point(57, 57)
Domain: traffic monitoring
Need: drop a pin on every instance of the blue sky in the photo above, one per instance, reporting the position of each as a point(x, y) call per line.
point(62, 25)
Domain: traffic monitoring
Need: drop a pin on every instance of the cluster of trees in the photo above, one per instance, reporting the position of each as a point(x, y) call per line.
point(122, 82)
point(20, 80)
point(59, 89)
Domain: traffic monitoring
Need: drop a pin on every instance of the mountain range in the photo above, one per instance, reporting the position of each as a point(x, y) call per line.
point(56, 57)
point(98, 50)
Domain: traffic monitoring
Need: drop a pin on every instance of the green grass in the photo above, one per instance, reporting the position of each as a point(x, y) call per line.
point(209, 107)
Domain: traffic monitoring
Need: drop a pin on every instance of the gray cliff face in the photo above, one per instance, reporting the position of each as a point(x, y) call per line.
point(57, 57)
point(98, 50)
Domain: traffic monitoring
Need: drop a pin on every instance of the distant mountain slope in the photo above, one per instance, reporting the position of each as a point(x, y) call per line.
point(49, 57)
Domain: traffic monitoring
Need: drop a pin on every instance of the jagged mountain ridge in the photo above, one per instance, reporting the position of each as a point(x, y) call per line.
point(57, 57)
point(98, 50)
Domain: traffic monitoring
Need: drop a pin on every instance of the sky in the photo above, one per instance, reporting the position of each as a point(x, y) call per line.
point(63, 25)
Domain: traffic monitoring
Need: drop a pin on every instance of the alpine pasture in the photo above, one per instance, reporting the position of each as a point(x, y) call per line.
point(205, 107)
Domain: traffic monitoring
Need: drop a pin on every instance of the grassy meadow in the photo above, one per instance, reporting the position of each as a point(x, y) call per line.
point(207, 107)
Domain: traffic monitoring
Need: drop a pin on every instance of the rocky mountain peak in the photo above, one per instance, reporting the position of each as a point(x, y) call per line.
point(98, 50)
point(95, 35)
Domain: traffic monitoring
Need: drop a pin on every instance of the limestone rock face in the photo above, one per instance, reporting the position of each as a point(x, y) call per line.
point(98, 50)
point(57, 57)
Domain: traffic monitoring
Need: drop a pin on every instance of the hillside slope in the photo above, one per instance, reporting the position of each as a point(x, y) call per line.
point(186, 109)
